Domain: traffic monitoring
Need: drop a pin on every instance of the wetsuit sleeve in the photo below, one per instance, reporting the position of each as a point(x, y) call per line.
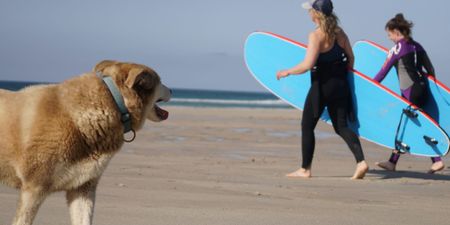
point(387, 66)
point(426, 62)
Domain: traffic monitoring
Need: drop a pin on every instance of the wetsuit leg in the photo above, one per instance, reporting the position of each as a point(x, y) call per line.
point(418, 96)
point(394, 157)
point(338, 110)
point(309, 122)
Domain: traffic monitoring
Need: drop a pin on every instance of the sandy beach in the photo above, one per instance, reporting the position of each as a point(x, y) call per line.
point(227, 166)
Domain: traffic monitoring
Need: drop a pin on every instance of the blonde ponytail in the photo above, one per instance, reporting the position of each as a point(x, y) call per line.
point(328, 24)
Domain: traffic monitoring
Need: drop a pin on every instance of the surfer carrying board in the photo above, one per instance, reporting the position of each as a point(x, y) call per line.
point(329, 56)
point(412, 64)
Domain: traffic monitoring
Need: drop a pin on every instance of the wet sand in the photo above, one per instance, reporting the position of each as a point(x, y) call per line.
point(227, 167)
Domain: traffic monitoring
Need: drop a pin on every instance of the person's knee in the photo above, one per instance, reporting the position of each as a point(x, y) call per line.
point(338, 128)
point(337, 131)
point(341, 129)
point(306, 127)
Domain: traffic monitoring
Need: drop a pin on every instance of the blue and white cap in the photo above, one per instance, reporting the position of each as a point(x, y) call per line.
point(323, 6)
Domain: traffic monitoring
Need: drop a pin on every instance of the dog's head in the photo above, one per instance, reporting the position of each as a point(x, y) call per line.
point(141, 88)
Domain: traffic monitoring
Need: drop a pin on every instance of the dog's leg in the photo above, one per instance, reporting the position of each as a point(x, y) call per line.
point(81, 202)
point(29, 202)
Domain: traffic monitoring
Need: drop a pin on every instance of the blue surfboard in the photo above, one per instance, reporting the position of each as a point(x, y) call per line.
point(378, 109)
point(370, 57)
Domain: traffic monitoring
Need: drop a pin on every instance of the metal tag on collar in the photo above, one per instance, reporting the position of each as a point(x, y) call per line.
point(128, 140)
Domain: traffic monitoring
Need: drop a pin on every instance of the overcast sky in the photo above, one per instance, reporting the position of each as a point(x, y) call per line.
point(195, 44)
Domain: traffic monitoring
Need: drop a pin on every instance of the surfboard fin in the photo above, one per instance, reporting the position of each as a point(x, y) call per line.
point(430, 140)
point(401, 147)
point(411, 113)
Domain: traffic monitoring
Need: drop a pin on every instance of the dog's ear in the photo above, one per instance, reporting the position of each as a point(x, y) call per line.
point(142, 80)
point(100, 67)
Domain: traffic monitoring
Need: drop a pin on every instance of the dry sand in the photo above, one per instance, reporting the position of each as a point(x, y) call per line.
point(207, 166)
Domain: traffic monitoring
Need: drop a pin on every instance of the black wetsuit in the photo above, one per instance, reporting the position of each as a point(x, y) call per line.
point(329, 89)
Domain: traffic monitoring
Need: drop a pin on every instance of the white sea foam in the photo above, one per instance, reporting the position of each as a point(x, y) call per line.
point(230, 102)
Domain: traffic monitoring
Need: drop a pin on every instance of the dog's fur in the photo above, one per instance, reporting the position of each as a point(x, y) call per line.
point(61, 137)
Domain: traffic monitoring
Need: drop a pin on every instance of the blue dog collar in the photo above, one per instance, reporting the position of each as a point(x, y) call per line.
point(125, 116)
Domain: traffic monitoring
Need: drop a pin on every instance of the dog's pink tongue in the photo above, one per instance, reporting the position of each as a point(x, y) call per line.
point(162, 114)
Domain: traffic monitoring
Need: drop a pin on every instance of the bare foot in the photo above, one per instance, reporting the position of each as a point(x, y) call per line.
point(300, 173)
point(361, 170)
point(386, 165)
point(437, 166)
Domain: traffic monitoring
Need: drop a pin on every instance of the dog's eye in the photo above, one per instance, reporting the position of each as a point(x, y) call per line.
point(160, 100)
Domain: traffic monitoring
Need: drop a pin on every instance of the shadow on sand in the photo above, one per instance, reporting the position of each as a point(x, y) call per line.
point(409, 174)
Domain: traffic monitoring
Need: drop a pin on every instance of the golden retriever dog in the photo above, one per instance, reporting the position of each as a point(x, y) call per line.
point(61, 137)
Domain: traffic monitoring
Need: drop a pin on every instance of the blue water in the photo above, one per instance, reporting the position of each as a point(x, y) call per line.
point(199, 98)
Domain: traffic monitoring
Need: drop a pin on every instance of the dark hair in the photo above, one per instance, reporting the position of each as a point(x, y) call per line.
point(401, 24)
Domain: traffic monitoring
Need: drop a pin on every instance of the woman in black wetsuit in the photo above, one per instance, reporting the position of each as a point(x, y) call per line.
point(329, 55)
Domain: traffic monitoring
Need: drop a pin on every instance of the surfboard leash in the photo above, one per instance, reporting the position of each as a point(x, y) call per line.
point(440, 93)
point(410, 112)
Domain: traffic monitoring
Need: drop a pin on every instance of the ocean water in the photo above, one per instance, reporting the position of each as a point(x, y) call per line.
point(199, 98)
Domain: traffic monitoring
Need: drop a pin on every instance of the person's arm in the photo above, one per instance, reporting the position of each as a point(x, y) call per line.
point(387, 65)
point(312, 53)
point(345, 43)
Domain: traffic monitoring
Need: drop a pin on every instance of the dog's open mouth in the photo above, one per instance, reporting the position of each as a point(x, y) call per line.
point(161, 113)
